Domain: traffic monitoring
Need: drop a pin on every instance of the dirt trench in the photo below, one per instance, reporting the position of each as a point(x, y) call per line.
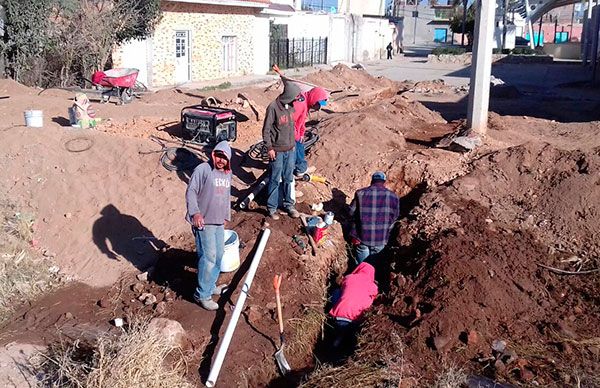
point(471, 284)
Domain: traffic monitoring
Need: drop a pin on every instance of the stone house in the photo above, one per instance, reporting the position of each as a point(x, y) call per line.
point(199, 40)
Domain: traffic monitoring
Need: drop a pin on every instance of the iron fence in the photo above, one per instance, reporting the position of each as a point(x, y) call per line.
point(290, 53)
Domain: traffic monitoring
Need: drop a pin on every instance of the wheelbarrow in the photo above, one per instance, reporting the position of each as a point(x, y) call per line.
point(118, 83)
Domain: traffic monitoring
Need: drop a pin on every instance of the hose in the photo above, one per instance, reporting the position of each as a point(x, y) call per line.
point(259, 150)
point(179, 159)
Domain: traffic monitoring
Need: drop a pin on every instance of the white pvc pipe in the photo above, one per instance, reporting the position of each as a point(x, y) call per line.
point(239, 305)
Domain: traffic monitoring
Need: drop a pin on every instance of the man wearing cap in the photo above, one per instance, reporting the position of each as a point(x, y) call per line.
point(278, 135)
point(373, 210)
point(208, 208)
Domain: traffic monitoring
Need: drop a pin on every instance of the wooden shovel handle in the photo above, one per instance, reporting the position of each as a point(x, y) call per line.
point(276, 285)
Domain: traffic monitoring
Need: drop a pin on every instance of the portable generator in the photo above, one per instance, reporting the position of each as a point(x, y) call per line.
point(208, 125)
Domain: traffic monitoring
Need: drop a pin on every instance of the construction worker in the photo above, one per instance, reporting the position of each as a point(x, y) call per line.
point(356, 295)
point(278, 135)
point(208, 208)
point(312, 99)
point(374, 210)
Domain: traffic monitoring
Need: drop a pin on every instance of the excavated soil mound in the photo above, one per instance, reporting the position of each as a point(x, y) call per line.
point(343, 77)
point(9, 87)
point(367, 138)
point(476, 296)
point(553, 193)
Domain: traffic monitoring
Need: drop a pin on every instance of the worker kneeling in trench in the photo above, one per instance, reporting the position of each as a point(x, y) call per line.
point(356, 295)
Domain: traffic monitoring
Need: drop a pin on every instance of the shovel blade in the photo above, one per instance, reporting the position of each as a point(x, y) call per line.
point(282, 363)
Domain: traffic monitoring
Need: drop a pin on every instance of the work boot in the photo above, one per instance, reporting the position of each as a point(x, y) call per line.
point(274, 216)
point(220, 289)
point(293, 213)
point(207, 304)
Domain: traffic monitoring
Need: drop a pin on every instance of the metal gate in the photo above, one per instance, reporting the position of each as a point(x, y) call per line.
point(290, 53)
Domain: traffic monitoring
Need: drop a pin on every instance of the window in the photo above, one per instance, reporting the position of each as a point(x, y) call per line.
point(229, 53)
point(180, 44)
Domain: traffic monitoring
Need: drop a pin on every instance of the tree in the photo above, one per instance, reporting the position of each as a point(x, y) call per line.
point(456, 23)
point(72, 37)
point(26, 36)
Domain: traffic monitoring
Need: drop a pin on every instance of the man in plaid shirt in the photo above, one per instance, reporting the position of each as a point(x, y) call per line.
point(373, 210)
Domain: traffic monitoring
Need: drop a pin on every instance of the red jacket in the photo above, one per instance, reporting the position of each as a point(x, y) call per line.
point(358, 293)
point(301, 109)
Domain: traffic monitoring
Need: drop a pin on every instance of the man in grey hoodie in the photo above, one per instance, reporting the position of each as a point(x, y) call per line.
point(278, 135)
point(208, 208)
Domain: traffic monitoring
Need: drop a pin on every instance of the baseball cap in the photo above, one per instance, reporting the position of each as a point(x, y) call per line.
point(378, 176)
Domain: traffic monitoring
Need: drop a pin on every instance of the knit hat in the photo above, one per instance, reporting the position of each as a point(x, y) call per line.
point(378, 176)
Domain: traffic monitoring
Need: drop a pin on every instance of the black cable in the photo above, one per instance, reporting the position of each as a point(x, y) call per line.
point(72, 145)
point(259, 150)
point(179, 159)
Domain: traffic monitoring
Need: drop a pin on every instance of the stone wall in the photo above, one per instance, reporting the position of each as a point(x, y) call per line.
point(207, 24)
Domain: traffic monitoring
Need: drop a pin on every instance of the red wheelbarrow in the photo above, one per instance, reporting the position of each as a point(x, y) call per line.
point(118, 83)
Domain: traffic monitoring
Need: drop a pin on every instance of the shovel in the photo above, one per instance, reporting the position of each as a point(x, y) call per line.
point(282, 363)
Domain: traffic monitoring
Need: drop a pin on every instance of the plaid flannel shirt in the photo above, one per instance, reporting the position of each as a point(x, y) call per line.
point(374, 210)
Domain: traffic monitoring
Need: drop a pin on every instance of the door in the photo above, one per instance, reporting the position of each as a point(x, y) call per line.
point(440, 35)
point(182, 56)
point(229, 64)
point(538, 39)
point(561, 37)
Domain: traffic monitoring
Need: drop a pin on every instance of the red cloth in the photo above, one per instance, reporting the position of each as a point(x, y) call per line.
point(301, 108)
point(358, 293)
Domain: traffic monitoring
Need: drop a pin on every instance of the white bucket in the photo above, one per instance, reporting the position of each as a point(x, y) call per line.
point(34, 118)
point(231, 254)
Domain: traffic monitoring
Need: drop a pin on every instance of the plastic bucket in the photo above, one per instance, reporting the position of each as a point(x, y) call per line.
point(231, 254)
point(34, 118)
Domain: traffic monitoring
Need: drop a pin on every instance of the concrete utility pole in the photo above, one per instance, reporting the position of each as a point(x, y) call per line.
point(464, 22)
point(504, 11)
point(481, 68)
point(529, 26)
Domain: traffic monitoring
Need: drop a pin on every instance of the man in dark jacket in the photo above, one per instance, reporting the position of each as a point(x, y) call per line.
point(374, 211)
point(278, 135)
point(208, 208)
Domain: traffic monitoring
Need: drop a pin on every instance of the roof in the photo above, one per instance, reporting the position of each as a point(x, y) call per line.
point(279, 9)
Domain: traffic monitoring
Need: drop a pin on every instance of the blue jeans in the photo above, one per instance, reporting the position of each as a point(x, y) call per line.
point(301, 164)
point(363, 251)
point(209, 248)
point(282, 168)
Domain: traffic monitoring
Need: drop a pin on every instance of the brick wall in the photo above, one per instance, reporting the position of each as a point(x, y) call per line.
point(207, 25)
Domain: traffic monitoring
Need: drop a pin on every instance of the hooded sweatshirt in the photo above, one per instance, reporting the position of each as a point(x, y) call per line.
point(301, 108)
point(278, 127)
point(209, 189)
point(358, 293)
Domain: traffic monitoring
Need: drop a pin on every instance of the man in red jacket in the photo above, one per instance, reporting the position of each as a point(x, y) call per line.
point(311, 98)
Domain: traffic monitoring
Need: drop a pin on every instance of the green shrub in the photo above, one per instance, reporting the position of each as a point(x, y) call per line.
point(224, 85)
point(451, 50)
point(523, 51)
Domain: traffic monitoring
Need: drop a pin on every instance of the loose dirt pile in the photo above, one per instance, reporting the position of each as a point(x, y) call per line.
point(343, 77)
point(368, 138)
point(469, 256)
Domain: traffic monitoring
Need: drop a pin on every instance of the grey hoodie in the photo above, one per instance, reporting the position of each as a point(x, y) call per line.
point(209, 191)
point(278, 128)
